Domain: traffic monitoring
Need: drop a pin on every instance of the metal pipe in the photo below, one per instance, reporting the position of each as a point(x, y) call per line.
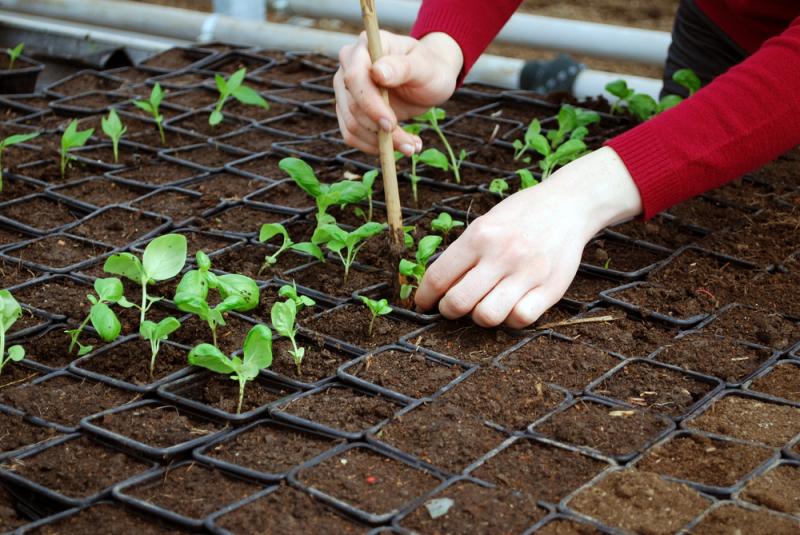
point(575, 36)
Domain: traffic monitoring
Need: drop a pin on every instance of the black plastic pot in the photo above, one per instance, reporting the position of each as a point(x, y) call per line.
point(80, 154)
point(19, 451)
point(15, 254)
point(305, 341)
point(370, 517)
point(109, 81)
point(273, 176)
point(766, 370)
point(193, 57)
point(179, 156)
point(178, 392)
point(46, 279)
point(345, 373)
point(381, 290)
point(75, 209)
point(554, 518)
point(708, 324)
point(284, 216)
point(610, 272)
point(182, 79)
point(288, 277)
point(23, 78)
point(163, 222)
point(192, 175)
point(193, 195)
point(72, 106)
point(161, 454)
point(255, 198)
point(299, 149)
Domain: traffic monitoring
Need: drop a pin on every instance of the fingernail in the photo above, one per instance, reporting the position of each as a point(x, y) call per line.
point(418, 142)
point(386, 72)
point(407, 149)
point(385, 124)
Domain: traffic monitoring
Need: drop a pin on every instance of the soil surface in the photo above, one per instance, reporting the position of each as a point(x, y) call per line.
point(49, 347)
point(659, 231)
point(226, 187)
point(350, 324)
point(219, 392)
point(729, 518)
point(118, 226)
point(778, 489)
point(465, 341)
point(114, 518)
point(757, 326)
point(10, 517)
point(16, 433)
point(102, 192)
point(42, 213)
point(783, 381)
point(160, 426)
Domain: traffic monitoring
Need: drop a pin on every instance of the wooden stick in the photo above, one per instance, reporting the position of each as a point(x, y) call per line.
point(385, 144)
point(578, 321)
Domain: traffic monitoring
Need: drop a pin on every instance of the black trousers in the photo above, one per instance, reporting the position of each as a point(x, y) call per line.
point(698, 44)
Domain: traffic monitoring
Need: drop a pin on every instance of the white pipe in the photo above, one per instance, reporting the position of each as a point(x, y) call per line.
point(579, 37)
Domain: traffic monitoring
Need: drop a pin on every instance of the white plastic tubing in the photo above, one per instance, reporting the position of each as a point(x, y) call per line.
point(190, 25)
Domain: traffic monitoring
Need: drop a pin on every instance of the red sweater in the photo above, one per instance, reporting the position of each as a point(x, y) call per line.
point(742, 120)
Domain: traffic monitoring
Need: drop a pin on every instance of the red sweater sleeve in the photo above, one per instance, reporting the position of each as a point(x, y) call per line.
point(472, 23)
point(739, 122)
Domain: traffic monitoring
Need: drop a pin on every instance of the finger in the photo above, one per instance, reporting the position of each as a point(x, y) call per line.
point(357, 80)
point(532, 306)
point(394, 71)
point(354, 134)
point(464, 295)
point(496, 306)
point(444, 272)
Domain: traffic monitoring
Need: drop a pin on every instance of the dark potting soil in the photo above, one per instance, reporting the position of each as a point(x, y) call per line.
point(84, 82)
point(151, 138)
point(96, 102)
point(586, 288)
point(563, 526)
point(542, 471)
point(252, 139)
point(59, 251)
point(14, 188)
point(725, 358)
point(731, 518)
point(226, 187)
point(747, 193)
point(241, 219)
point(290, 73)
point(781, 174)
point(706, 214)
point(42, 213)
point(197, 124)
point(51, 348)
point(778, 489)
point(778, 291)
point(182, 80)
point(49, 170)
point(300, 94)
point(157, 172)
point(484, 127)
point(27, 320)
point(569, 364)
point(757, 326)
point(78, 468)
point(659, 231)
point(286, 194)
point(704, 460)
point(318, 363)
point(208, 156)
point(626, 334)
point(470, 176)
point(411, 374)
point(179, 206)
point(62, 296)
point(17, 155)
point(287, 510)
point(270, 448)
point(16, 433)
point(620, 256)
point(782, 381)
point(350, 324)
point(130, 362)
point(255, 113)
point(13, 273)
point(344, 409)
point(104, 154)
point(64, 399)
point(193, 490)
point(248, 259)
point(160, 426)
point(114, 519)
point(174, 59)
point(367, 480)
point(427, 196)
point(750, 419)
point(661, 390)
point(464, 103)
point(472, 204)
point(16, 375)
point(220, 392)
point(117, 226)
point(640, 502)
point(10, 518)
point(523, 112)
point(317, 148)
point(102, 192)
point(614, 431)
point(230, 337)
point(192, 98)
point(477, 509)
point(465, 341)
point(208, 243)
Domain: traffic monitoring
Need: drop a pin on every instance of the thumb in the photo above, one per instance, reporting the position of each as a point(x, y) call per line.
point(397, 70)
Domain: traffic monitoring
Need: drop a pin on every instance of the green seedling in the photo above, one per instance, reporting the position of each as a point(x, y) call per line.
point(155, 333)
point(234, 87)
point(444, 224)
point(163, 258)
point(572, 124)
point(688, 79)
point(526, 179)
point(338, 240)
point(283, 315)
point(114, 129)
point(499, 187)
point(326, 195)
point(257, 355)
point(72, 138)
point(289, 292)
point(565, 153)
point(416, 270)
point(9, 141)
point(109, 292)
point(10, 311)
point(430, 157)
point(643, 106)
point(237, 293)
point(270, 230)
point(369, 181)
point(14, 54)
point(152, 106)
point(377, 308)
point(431, 119)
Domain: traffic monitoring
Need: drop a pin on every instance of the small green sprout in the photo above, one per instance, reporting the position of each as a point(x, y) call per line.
point(10, 311)
point(257, 355)
point(572, 123)
point(114, 129)
point(430, 157)
point(607, 263)
point(416, 270)
point(377, 308)
point(643, 106)
point(431, 118)
point(152, 106)
point(444, 224)
point(565, 153)
point(104, 320)
point(338, 240)
point(234, 87)
point(283, 315)
point(526, 179)
point(369, 181)
point(270, 230)
point(326, 195)
point(72, 138)
point(9, 141)
point(163, 258)
point(14, 54)
point(688, 79)
point(499, 187)
point(238, 293)
point(155, 333)
point(289, 292)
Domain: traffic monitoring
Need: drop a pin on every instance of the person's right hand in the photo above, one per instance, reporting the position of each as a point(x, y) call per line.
point(418, 73)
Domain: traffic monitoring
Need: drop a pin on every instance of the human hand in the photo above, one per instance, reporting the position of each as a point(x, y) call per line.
point(418, 73)
point(516, 261)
